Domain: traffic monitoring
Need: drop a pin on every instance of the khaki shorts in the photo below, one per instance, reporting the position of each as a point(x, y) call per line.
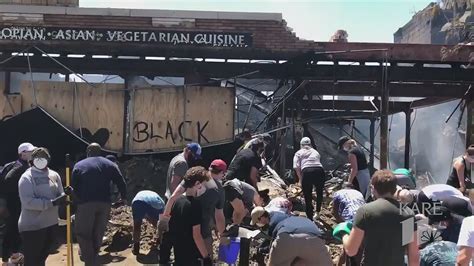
point(311, 249)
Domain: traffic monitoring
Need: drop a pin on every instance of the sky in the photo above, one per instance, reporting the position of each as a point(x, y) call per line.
point(365, 21)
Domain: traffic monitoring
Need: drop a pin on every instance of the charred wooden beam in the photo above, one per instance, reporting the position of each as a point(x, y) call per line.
point(346, 105)
point(332, 115)
point(430, 101)
point(354, 52)
point(120, 66)
point(399, 89)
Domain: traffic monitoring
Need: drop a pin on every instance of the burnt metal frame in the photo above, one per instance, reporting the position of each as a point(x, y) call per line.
point(360, 77)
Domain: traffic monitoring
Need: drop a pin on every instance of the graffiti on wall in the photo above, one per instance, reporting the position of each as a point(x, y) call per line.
point(144, 131)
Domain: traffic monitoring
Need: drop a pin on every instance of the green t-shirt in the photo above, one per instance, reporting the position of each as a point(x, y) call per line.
point(381, 221)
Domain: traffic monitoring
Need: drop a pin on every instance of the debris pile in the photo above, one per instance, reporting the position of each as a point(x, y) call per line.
point(145, 174)
point(118, 235)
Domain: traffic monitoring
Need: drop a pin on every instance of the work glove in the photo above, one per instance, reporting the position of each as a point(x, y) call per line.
point(264, 250)
point(207, 261)
point(61, 200)
point(136, 249)
point(231, 230)
point(68, 190)
point(342, 229)
point(163, 225)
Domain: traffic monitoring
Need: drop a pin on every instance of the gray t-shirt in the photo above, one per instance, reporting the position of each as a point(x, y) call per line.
point(237, 189)
point(178, 167)
point(37, 188)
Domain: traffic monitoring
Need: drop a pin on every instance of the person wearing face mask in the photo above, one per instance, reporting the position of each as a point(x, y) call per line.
point(185, 222)
point(247, 163)
point(41, 192)
point(11, 198)
point(460, 177)
point(176, 170)
point(379, 227)
point(310, 172)
point(296, 239)
point(212, 198)
point(360, 175)
point(446, 222)
point(91, 180)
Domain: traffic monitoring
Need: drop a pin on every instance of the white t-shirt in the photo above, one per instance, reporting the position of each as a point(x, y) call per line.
point(466, 235)
point(440, 192)
point(305, 158)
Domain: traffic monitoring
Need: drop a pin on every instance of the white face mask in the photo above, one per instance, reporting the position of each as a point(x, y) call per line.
point(40, 163)
point(259, 224)
point(439, 226)
point(200, 191)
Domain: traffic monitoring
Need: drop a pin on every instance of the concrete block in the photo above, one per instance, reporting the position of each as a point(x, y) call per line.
point(170, 22)
point(98, 11)
point(250, 16)
point(173, 14)
point(24, 9)
point(30, 18)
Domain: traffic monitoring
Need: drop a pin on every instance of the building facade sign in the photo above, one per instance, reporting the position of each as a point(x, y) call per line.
point(196, 38)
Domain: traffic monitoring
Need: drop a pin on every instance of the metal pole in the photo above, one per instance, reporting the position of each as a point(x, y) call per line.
point(372, 144)
point(248, 112)
point(407, 137)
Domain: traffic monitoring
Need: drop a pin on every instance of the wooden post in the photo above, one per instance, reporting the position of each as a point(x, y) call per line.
point(372, 145)
point(283, 141)
point(244, 256)
point(470, 122)
point(407, 137)
point(127, 117)
point(384, 122)
point(7, 83)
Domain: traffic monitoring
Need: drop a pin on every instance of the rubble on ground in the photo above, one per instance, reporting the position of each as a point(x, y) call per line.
point(118, 235)
point(119, 230)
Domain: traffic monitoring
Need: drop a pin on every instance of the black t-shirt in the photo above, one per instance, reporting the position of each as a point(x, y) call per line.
point(360, 156)
point(242, 163)
point(10, 187)
point(185, 214)
point(236, 189)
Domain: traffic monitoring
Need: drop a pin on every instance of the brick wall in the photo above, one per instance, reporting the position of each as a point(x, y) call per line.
point(273, 35)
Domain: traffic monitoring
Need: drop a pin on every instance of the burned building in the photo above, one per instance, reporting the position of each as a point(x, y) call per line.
point(181, 76)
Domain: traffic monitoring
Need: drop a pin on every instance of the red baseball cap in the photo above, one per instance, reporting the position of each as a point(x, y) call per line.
point(219, 165)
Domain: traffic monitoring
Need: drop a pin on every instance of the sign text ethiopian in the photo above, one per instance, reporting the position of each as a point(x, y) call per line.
point(213, 39)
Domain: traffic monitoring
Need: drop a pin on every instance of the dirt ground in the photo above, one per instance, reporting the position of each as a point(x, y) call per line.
point(118, 239)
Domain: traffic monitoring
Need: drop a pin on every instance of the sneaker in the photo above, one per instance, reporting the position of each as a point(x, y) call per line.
point(315, 216)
